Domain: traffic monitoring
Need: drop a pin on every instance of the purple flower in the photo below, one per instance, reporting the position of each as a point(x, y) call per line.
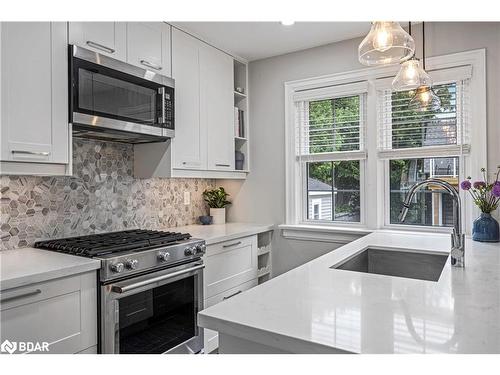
point(496, 183)
point(496, 190)
point(479, 184)
point(465, 185)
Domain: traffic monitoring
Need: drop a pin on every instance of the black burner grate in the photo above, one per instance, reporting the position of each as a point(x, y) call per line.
point(107, 243)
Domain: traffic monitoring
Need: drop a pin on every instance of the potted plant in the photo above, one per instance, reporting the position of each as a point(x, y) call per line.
point(486, 196)
point(217, 201)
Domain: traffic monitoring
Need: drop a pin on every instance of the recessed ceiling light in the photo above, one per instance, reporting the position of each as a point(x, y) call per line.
point(287, 23)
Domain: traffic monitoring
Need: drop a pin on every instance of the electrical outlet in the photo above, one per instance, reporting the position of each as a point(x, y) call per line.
point(187, 198)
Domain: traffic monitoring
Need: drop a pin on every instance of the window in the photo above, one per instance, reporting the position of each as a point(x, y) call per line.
point(336, 186)
point(354, 148)
point(434, 133)
point(329, 152)
point(431, 206)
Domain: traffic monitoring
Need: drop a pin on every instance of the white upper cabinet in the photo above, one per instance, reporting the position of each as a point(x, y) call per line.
point(189, 147)
point(204, 142)
point(108, 38)
point(216, 107)
point(148, 46)
point(34, 97)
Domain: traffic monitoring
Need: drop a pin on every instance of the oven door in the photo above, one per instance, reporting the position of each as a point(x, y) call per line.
point(110, 96)
point(154, 313)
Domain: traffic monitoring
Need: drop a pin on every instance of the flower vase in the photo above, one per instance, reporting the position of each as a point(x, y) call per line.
point(218, 215)
point(485, 229)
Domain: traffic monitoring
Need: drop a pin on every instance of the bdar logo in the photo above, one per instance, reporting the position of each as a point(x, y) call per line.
point(8, 346)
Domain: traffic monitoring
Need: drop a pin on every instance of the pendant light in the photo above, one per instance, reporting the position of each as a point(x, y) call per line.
point(411, 75)
point(425, 98)
point(386, 43)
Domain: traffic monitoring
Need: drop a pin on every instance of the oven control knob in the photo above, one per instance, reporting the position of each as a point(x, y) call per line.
point(163, 256)
point(201, 249)
point(117, 267)
point(132, 264)
point(190, 251)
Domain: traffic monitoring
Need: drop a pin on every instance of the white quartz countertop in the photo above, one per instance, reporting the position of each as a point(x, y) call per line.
point(215, 233)
point(29, 265)
point(314, 308)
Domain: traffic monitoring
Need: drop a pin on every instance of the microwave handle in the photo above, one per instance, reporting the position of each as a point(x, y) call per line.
point(161, 92)
point(127, 288)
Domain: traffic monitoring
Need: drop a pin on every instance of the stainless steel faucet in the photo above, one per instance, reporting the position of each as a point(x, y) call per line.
point(457, 237)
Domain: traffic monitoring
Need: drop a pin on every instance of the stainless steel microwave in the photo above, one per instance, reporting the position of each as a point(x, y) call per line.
point(115, 101)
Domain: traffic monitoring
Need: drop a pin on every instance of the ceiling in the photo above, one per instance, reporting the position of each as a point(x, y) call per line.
point(258, 40)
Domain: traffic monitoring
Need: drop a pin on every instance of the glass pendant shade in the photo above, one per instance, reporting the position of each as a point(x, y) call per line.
point(386, 43)
point(425, 100)
point(411, 75)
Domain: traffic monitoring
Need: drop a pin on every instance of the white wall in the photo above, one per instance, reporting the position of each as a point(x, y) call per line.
point(261, 198)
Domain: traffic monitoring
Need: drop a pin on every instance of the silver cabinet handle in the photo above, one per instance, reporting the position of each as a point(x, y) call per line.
point(126, 288)
point(232, 244)
point(222, 165)
point(39, 153)
point(100, 46)
point(20, 295)
point(232, 295)
point(150, 65)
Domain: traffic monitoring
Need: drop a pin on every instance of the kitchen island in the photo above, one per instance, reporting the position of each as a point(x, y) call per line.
point(317, 309)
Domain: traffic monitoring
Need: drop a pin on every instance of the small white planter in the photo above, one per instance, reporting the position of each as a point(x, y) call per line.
point(218, 215)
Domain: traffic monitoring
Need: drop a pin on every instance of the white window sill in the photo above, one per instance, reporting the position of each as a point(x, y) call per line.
point(322, 233)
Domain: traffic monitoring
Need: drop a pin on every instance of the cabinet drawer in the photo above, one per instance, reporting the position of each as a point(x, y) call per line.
point(211, 337)
point(229, 264)
point(62, 312)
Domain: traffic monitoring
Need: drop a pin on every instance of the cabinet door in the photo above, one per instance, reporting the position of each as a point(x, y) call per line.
point(211, 338)
point(189, 145)
point(61, 312)
point(229, 264)
point(108, 38)
point(217, 107)
point(34, 91)
point(148, 46)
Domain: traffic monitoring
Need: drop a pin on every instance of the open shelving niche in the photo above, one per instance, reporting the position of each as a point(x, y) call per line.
point(241, 102)
point(264, 256)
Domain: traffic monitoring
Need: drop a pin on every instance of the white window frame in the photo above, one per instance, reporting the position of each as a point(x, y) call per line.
point(316, 202)
point(374, 177)
point(319, 92)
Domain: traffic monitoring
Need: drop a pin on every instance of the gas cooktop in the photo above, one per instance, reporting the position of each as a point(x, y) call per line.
point(130, 252)
point(96, 245)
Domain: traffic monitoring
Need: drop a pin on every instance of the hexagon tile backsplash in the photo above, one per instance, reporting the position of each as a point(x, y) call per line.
point(102, 196)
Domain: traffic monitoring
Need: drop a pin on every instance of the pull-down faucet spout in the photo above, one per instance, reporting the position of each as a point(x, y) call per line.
point(457, 237)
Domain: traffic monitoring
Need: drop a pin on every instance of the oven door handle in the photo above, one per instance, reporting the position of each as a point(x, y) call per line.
point(127, 288)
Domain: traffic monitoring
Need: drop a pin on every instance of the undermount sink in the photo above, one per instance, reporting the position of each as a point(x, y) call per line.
point(409, 264)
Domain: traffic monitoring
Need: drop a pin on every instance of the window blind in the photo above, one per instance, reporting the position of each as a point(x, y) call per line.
point(400, 128)
point(330, 128)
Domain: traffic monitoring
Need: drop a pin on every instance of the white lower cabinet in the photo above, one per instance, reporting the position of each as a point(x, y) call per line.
point(230, 269)
point(211, 338)
point(61, 312)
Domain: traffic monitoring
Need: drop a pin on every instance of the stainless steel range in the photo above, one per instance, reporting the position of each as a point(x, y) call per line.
point(151, 289)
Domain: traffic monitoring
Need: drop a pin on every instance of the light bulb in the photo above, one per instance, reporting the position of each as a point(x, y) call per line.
point(425, 97)
point(383, 38)
point(425, 100)
point(287, 23)
point(410, 76)
point(411, 72)
point(386, 43)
